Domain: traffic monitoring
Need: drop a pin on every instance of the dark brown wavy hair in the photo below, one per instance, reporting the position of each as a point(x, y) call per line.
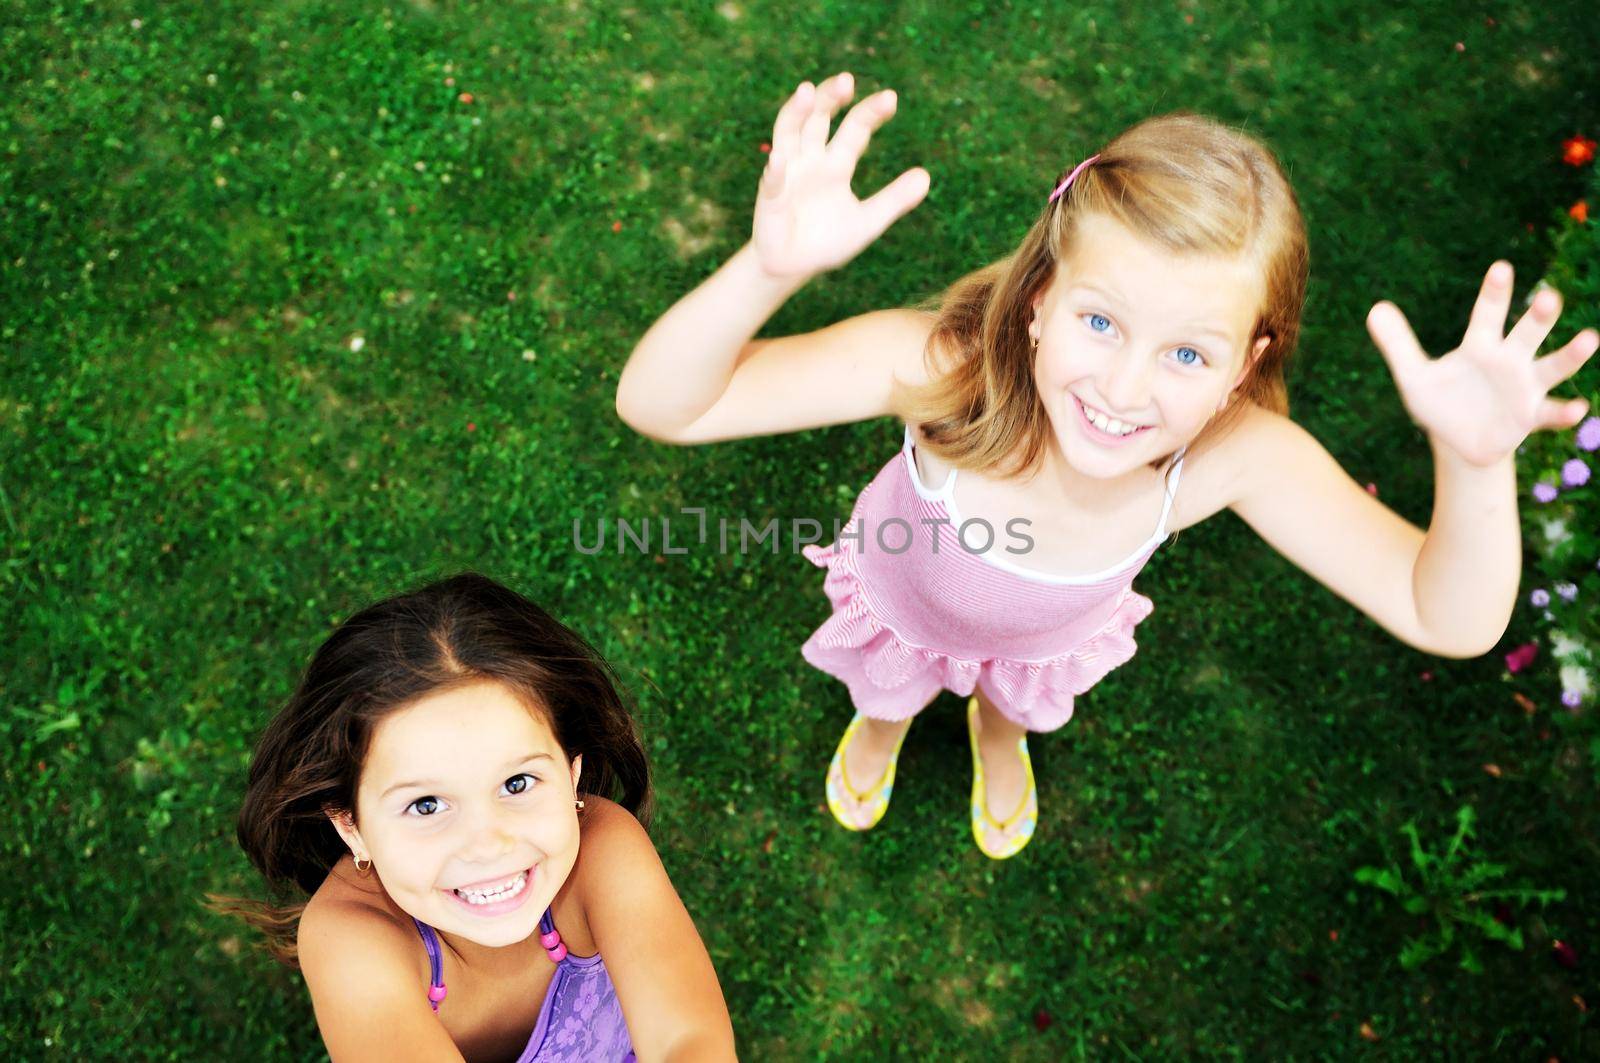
point(461, 630)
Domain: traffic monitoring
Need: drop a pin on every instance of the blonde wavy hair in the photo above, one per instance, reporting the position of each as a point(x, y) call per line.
point(1183, 181)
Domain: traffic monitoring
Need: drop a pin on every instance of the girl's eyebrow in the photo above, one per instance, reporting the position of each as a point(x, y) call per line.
point(433, 783)
point(1208, 330)
point(1113, 296)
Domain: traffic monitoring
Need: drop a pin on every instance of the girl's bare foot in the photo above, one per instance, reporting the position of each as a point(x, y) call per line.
point(866, 760)
point(1005, 779)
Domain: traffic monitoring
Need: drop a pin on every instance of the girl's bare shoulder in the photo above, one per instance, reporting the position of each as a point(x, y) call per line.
point(610, 835)
point(351, 906)
point(1218, 468)
point(365, 970)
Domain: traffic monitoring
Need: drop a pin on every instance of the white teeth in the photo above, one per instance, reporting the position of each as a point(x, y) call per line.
point(504, 892)
point(1109, 425)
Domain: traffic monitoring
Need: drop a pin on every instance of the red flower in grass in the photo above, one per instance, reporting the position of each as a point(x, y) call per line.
point(1564, 954)
point(1579, 211)
point(465, 97)
point(1042, 1020)
point(1577, 150)
point(1521, 657)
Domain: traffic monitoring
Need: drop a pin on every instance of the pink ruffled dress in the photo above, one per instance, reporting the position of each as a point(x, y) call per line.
point(909, 622)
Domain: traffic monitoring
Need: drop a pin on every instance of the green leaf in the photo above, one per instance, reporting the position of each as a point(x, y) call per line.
point(1382, 878)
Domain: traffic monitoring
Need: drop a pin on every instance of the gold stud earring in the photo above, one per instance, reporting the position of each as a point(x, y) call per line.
point(578, 803)
point(362, 869)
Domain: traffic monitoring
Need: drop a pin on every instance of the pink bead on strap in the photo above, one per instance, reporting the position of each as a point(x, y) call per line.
point(1073, 176)
point(550, 938)
point(436, 994)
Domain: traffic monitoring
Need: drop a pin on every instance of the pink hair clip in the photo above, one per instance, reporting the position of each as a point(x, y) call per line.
point(1073, 176)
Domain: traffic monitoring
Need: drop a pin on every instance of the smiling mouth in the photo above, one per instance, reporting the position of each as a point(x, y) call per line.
point(494, 891)
point(1106, 424)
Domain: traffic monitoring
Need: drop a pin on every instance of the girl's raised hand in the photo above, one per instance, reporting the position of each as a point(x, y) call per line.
point(1486, 396)
point(807, 219)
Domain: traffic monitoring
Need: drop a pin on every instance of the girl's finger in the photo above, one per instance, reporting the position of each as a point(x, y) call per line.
point(864, 119)
point(772, 176)
point(786, 127)
point(1392, 333)
point(1494, 300)
point(1560, 413)
point(1532, 328)
point(1557, 366)
point(831, 95)
point(891, 202)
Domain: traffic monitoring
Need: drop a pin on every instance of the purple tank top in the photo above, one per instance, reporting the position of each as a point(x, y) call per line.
point(581, 1019)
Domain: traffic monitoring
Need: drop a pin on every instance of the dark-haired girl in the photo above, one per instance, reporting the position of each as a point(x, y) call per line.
point(455, 784)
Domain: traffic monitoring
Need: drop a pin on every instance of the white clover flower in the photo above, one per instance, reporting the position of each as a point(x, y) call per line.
point(1576, 679)
point(357, 342)
point(216, 121)
point(1555, 531)
point(1563, 647)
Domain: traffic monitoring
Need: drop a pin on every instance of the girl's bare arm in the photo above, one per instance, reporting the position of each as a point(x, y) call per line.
point(698, 375)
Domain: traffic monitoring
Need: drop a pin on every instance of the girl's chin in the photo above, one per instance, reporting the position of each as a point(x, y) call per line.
point(1105, 464)
point(497, 933)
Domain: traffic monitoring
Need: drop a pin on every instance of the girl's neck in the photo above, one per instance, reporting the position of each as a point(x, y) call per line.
point(1089, 494)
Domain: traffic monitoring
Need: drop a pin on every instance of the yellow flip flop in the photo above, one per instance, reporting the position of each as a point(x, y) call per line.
point(876, 797)
point(1027, 813)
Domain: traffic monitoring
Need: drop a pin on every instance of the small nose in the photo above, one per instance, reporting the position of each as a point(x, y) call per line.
point(1125, 384)
point(487, 840)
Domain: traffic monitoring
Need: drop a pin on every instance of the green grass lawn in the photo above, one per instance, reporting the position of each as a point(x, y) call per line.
point(201, 470)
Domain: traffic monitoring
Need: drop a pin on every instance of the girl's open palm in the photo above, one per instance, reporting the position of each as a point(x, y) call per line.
point(807, 219)
point(1486, 396)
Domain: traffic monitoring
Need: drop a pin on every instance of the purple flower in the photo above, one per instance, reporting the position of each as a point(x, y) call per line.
point(1540, 598)
point(1543, 492)
point(1571, 698)
point(1575, 473)
point(1589, 434)
point(1567, 591)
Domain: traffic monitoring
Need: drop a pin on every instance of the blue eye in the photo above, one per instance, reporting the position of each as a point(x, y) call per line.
point(424, 806)
point(520, 783)
point(1198, 358)
point(1098, 322)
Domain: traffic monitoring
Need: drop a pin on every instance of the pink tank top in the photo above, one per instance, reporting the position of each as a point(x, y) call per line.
point(1036, 638)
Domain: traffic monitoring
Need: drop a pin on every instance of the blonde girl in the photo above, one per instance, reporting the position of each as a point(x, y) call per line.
point(1116, 379)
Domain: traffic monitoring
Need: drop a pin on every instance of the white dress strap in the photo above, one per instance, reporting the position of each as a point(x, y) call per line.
point(1170, 492)
point(942, 493)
